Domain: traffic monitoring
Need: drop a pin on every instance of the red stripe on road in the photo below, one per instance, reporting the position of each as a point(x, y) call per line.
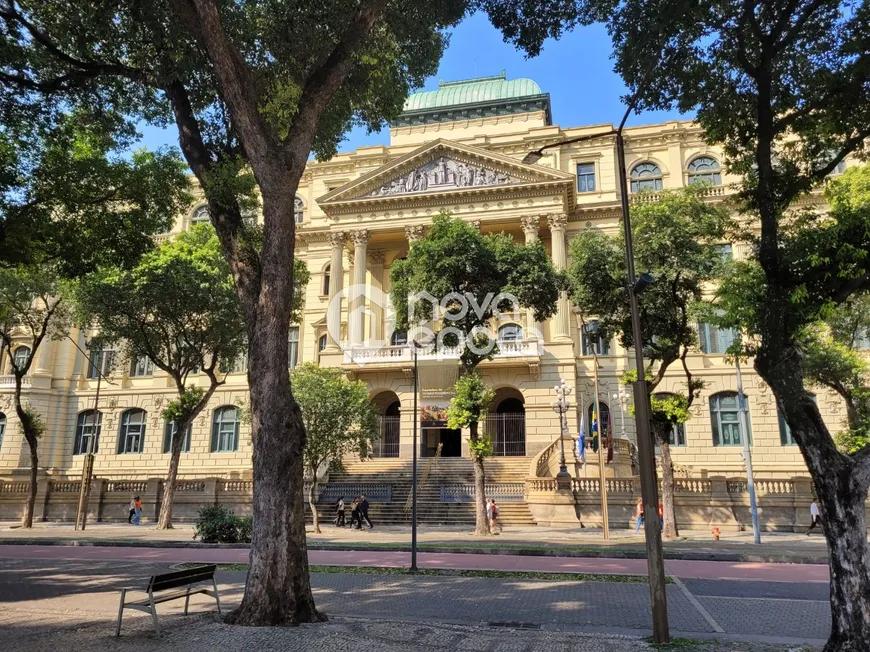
point(680, 568)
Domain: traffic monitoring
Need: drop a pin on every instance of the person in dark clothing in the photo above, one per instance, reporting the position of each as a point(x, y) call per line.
point(339, 513)
point(354, 514)
point(364, 512)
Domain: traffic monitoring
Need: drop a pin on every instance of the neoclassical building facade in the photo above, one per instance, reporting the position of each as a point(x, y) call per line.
point(457, 149)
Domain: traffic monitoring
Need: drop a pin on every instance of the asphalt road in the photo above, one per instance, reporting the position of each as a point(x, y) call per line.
point(772, 603)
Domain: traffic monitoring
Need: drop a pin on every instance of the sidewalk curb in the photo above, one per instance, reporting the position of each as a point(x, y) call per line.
point(603, 553)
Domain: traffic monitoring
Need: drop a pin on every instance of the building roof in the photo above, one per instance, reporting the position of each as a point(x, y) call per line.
point(472, 91)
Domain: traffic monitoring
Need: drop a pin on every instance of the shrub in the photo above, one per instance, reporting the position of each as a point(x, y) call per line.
point(216, 524)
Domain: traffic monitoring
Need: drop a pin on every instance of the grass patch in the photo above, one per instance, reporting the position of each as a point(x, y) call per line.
point(438, 572)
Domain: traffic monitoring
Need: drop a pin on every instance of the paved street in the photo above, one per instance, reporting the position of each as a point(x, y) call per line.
point(80, 585)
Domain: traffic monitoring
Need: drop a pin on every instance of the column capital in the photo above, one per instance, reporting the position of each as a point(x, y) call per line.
point(337, 238)
point(557, 221)
point(360, 236)
point(377, 257)
point(531, 224)
point(415, 232)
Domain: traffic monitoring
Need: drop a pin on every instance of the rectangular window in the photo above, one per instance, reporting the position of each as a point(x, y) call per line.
point(141, 366)
point(602, 347)
point(293, 347)
point(100, 363)
point(169, 432)
point(785, 436)
point(861, 341)
point(726, 251)
point(714, 340)
point(586, 177)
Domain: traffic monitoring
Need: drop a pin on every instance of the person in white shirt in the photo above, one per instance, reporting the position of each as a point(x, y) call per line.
point(816, 515)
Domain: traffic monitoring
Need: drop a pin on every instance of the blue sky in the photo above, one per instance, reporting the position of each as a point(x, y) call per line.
point(576, 71)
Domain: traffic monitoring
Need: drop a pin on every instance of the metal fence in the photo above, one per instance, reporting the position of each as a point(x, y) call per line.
point(375, 492)
point(508, 434)
point(504, 492)
point(387, 443)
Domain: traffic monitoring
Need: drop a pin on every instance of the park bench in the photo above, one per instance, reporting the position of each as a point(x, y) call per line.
point(159, 590)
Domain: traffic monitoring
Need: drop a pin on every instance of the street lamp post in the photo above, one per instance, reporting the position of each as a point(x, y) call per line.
point(414, 346)
point(592, 335)
point(747, 453)
point(642, 412)
point(560, 405)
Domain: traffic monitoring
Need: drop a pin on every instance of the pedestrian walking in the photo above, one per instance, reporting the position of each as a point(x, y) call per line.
point(638, 513)
point(137, 511)
point(494, 525)
point(816, 515)
point(364, 512)
point(354, 514)
point(339, 513)
point(661, 517)
point(132, 507)
point(489, 514)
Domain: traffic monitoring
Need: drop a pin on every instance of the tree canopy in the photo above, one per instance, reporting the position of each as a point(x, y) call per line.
point(460, 267)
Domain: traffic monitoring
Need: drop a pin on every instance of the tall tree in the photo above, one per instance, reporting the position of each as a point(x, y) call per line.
point(785, 88)
point(253, 86)
point(472, 272)
point(33, 308)
point(339, 419)
point(675, 239)
point(178, 308)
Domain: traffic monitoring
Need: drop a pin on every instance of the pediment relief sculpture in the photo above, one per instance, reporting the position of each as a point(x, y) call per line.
point(443, 173)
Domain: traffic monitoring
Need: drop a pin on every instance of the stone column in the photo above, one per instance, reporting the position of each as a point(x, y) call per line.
point(336, 281)
point(561, 324)
point(531, 224)
point(357, 298)
point(376, 265)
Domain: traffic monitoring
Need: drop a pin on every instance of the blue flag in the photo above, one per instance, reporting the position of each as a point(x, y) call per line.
point(581, 441)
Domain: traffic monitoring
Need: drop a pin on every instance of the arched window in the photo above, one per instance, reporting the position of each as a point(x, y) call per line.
point(293, 347)
point(785, 436)
point(678, 430)
point(321, 344)
point(200, 215)
point(2, 428)
point(325, 287)
point(20, 357)
point(88, 427)
point(298, 210)
point(592, 422)
point(510, 333)
point(725, 419)
point(399, 338)
point(225, 430)
point(131, 438)
point(169, 432)
point(705, 169)
point(646, 176)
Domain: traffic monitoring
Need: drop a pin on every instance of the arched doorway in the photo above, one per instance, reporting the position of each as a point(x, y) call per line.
point(389, 410)
point(506, 423)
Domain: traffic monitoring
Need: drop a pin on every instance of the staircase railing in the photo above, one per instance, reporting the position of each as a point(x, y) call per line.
point(427, 470)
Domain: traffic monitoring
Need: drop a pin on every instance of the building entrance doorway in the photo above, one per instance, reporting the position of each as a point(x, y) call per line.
point(437, 432)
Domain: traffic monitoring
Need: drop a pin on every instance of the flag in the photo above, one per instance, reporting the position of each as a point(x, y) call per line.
point(609, 437)
point(581, 441)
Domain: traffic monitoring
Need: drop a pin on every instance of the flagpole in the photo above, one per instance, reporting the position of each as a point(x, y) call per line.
point(603, 480)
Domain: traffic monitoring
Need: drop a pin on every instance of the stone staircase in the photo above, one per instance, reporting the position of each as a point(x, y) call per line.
point(430, 509)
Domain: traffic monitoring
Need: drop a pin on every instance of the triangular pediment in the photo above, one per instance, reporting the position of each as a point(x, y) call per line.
point(442, 167)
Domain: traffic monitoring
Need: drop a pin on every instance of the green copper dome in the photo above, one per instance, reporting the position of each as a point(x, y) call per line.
point(472, 91)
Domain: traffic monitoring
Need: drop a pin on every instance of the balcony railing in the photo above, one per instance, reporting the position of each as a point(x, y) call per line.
point(8, 380)
point(403, 353)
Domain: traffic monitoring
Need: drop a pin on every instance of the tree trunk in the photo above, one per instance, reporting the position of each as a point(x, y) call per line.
point(312, 492)
point(481, 524)
point(165, 520)
point(277, 589)
point(841, 484)
point(32, 441)
point(669, 515)
point(844, 522)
